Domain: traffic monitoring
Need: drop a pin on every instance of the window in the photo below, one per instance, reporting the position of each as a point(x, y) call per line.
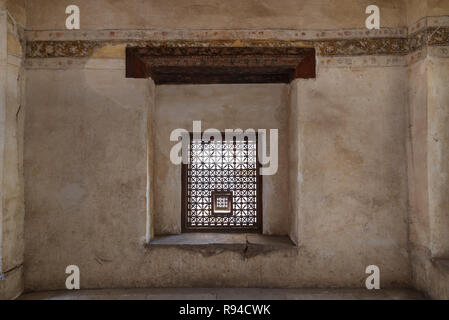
point(221, 186)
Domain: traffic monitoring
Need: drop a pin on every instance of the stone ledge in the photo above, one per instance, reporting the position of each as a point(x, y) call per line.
point(210, 244)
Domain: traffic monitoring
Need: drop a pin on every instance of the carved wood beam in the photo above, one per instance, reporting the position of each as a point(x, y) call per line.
point(203, 65)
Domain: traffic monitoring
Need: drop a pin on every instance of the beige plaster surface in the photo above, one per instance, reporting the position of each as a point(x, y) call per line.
point(294, 163)
point(417, 9)
point(346, 177)
point(428, 173)
point(419, 224)
point(89, 199)
point(17, 10)
point(438, 154)
point(353, 184)
point(12, 107)
point(85, 173)
point(231, 14)
point(417, 154)
point(12, 286)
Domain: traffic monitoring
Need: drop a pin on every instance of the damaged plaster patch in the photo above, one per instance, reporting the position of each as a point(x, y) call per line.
point(71, 195)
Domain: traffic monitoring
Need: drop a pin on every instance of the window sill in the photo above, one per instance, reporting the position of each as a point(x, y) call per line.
point(209, 244)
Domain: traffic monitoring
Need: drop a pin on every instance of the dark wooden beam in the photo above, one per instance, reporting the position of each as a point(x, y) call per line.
point(306, 69)
point(221, 78)
point(135, 67)
point(202, 65)
point(245, 61)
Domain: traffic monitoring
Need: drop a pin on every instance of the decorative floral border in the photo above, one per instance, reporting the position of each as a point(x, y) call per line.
point(432, 36)
point(357, 47)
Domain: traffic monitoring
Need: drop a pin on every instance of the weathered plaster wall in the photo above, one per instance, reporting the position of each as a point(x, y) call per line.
point(87, 155)
point(417, 9)
point(220, 107)
point(17, 9)
point(438, 157)
point(438, 165)
point(11, 148)
point(429, 172)
point(294, 162)
point(86, 178)
point(151, 145)
point(427, 146)
point(198, 14)
point(417, 173)
point(352, 181)
point(85, 167)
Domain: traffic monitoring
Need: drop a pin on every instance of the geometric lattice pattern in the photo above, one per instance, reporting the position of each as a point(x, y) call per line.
point(227, 167)
point(222, 202)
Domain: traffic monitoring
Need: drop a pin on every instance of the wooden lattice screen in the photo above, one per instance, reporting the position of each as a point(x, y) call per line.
point(221, 189)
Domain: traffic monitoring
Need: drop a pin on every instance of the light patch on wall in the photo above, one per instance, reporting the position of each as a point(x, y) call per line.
point(105, 76)
point(13, 44)
point(300, 179)
point(111, 52)
point(71, 195)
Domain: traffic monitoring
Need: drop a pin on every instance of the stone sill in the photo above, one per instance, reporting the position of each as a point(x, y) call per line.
point(209, 244)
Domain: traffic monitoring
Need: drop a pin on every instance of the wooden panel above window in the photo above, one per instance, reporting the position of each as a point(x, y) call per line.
point(220, 64)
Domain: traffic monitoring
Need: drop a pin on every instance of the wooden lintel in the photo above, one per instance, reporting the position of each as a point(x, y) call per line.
point(135, 67)
point(166, 65)
point(306, 69)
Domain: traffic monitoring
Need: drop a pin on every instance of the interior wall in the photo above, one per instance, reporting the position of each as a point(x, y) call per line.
point(151, 181)
point(221, 107)
point(86, 179)
point(438, 102)
point(352, 183)
point(294, 162)
point(85, 170)
point(428, 147)
point(215, 14)
point(12, 112)
point(428, 173)
point(417, 9)
point(438, 155)
point(419, 224)
point(87, 157)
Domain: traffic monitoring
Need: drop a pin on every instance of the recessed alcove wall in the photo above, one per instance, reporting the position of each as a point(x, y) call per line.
point(225, 85)
point(219, 106)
